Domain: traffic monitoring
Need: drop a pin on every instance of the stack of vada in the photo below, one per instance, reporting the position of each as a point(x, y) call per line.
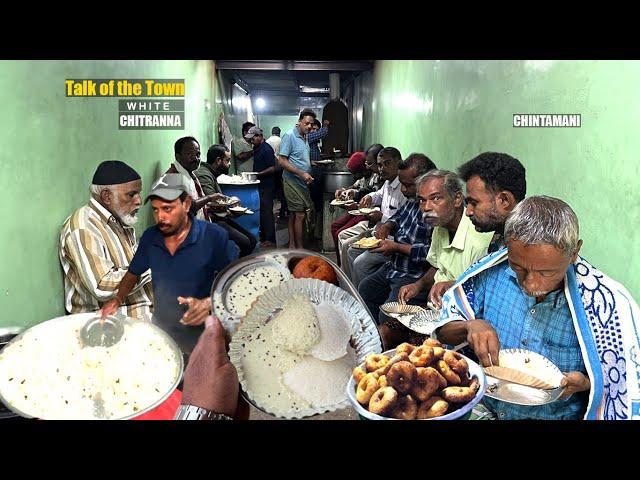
point(418, 382)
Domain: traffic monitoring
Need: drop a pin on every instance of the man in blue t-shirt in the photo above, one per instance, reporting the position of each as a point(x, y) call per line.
point(264, 161)
point(185, 255)
point(294, 159)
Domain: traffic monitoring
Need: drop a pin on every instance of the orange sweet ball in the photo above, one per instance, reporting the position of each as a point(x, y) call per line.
point(315, 267)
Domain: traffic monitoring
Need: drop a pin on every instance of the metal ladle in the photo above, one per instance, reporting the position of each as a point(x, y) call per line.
point(96, 333)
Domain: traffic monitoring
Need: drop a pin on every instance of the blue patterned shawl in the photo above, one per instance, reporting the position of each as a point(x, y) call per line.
point(607, 322)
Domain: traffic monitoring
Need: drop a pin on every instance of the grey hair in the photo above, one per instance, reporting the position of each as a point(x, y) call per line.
point(541, 219)
point(96, 189)
point(452, 182)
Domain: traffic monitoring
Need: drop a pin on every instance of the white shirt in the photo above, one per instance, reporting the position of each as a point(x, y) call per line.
point(389, 197)
point(274, 141)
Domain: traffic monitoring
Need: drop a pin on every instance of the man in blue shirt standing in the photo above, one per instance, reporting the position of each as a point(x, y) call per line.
point(185, 255)
point(294, 159)
point(264, 163)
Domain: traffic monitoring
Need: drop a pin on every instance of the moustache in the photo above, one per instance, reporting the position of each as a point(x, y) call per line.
point(535, 293)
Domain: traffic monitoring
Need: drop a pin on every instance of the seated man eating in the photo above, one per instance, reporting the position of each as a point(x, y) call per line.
point(539, 295)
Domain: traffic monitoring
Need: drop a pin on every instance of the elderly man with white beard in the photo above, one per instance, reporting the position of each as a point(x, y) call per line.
point(98, 241)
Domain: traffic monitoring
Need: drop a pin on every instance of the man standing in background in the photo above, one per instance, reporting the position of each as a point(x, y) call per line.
point(274, 140)
point(294, 158)
point(243, 150)
point(264, 163)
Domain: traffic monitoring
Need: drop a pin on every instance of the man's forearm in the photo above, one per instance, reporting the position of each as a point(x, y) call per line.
point(426, 281)
point(390, 225)
point(453, 333)
point(126, 285)
point(244, 155)
point(403, 248)
point(267, 171)
point(198, 204)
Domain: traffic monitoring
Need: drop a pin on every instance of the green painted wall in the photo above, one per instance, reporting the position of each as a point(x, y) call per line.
point(267, 122)
point(453, 110)
point(52, 146)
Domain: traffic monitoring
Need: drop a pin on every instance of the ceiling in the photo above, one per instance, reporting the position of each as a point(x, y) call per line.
point(279, 82)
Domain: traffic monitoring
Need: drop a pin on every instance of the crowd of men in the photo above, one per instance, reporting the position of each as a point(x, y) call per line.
point(503, 269)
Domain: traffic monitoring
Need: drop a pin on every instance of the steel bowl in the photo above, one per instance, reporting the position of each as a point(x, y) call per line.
point(82, 319)
point(460, 414)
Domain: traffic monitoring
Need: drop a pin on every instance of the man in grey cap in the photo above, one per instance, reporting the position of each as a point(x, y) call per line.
point(98, 241)
point(264, 163)
point(184, 254)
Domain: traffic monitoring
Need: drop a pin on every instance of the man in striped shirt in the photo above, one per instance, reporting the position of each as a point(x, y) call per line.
point(97, 243)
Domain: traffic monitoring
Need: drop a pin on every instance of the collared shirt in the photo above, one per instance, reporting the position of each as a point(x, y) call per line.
point(263, 158)
point(412, 230)
point(365, 182)
point(367, 186)
point(208, 179)
point(274, 141)
point(389, 198)
point(189, 272)
point(314, 139)
point(240, 145)
point(95, 251)
point(545, 328)
point(193, 183)
point(296, 148)
point(453, 258)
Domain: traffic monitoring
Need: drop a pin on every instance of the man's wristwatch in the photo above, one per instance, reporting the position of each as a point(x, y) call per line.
point(191, 412)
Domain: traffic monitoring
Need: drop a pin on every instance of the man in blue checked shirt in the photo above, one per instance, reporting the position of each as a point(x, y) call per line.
point(539, 295)
point(407, 253)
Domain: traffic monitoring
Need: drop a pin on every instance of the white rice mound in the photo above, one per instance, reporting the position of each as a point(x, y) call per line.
point(320, 383)
point(296, 328)
point(335, 333)
point(62, 380)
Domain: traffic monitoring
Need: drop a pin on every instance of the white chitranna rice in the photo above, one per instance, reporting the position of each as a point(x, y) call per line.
point(247, 287)
point(301, 360)
point(47, 374)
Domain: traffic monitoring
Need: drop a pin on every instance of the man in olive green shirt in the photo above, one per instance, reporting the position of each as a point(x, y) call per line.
point(218, 162)
point(455, 243)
